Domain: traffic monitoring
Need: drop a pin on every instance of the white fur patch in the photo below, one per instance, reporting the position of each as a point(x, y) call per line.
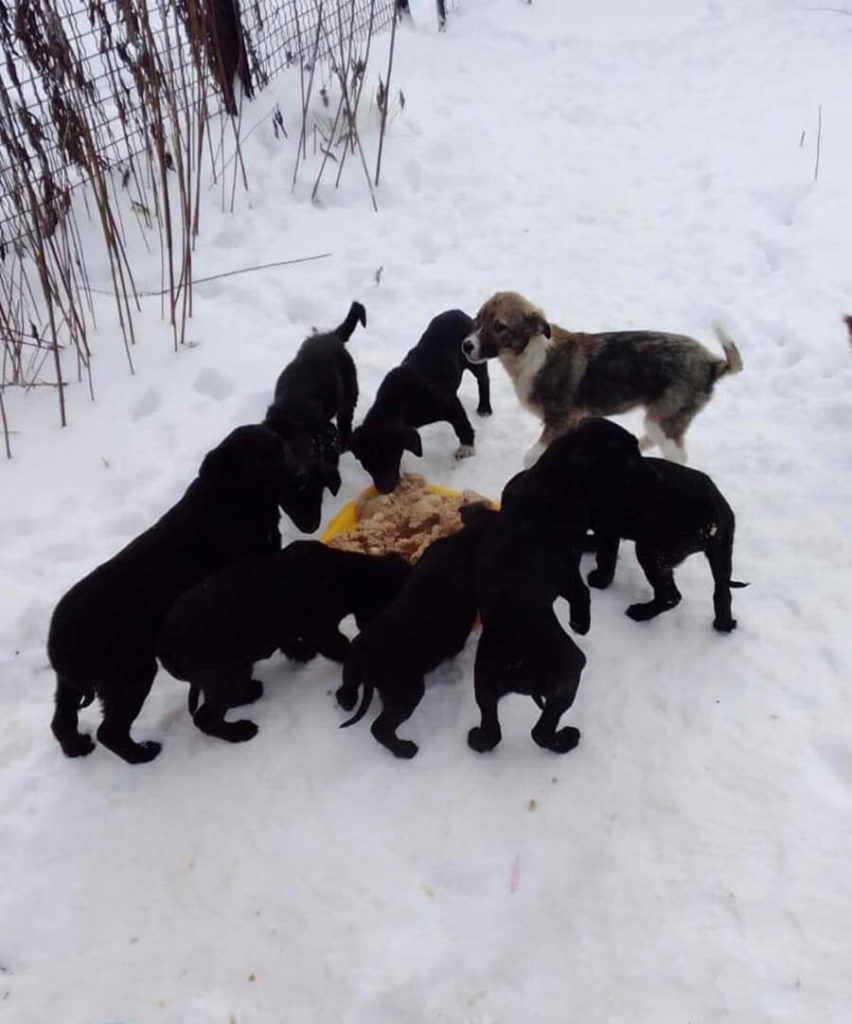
point(524, 368)
point(655, 436)
point(472, 354)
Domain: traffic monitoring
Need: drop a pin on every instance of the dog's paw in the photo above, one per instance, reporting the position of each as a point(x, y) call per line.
point(725, 625)
point(346, 697)
point(78, 746)
point(564, 740)
point(404, 748)
point(580, 626)
point(599, 579)
point(642, 612)
point(464, 451)
point(141, 753)
point(239, 732)
point(485, 410)
point(480, 741)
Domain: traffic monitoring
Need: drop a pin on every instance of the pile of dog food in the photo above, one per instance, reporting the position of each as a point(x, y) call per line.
point(405, 521)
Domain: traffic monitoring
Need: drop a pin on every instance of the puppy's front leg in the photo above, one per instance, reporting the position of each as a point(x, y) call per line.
point(483, 383)
point(487, 734)
point(607, 556)
point(454, 413)
point(576, 593)
point(548, 436)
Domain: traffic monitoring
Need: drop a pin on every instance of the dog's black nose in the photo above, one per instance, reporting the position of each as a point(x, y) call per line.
point(467, 346)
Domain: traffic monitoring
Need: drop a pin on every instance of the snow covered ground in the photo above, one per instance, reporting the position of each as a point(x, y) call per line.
point(624, 164)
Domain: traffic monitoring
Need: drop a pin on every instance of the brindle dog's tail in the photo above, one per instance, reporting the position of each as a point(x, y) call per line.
point(356, 315)
point(733, 361)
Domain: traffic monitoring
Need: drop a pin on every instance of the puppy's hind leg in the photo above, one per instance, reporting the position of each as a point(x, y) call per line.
point(221, 688)
point(397, 706)
point(487, 734)
point(122, 698)
point(546, 731)
point(69, 699)
point(659, 574)
point(719, 556)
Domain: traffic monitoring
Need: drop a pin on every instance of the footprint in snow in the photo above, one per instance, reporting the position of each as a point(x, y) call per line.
point(149, 402)
point(213, 384)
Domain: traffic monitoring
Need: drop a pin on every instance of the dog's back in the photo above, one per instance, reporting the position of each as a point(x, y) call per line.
point(319, 383)
point(674, 504)
point(434, 612)
point(115, 611)
point(243, 612)
point(438, 354)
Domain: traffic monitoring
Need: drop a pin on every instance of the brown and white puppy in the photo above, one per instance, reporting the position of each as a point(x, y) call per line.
point(564, 377)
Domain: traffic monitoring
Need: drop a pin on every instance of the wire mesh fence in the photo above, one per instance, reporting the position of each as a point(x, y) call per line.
point(119, 101)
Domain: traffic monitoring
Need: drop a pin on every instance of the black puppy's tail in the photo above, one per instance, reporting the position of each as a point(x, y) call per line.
point(356, 315)
point(736, 583)
point(366, 700)
point(192, 698)
point(352, 680)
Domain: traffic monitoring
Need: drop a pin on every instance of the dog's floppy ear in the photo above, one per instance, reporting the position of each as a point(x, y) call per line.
point(539, 324)
point(331, 479)
point(412, 442)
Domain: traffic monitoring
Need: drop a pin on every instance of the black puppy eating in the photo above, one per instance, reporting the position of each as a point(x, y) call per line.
point(428, 623)
point(292, 600)
point(421, 390)
point(103, 631)
point(320, 384)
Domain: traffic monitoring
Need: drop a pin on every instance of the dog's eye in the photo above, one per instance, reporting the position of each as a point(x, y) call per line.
point(500, 327)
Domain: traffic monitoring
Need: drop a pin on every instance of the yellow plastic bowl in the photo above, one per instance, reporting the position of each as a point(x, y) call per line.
point(347, 517)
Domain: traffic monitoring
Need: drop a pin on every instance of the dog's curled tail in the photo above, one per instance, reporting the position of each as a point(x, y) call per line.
point(192, 699)
point(356, 315)
point(733, 360)
point(352, 680)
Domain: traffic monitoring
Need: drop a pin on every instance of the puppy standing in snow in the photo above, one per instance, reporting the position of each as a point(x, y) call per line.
point(564, 377)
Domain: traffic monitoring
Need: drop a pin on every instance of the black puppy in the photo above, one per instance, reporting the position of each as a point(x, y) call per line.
point(421, 390)
point(292, 600)
point(429, 622)
point(530, 557)
point(319, 385)
point(103, 631)
point(671, 512)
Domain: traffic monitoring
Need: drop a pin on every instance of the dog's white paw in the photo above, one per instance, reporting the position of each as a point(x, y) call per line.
point(464, 451)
